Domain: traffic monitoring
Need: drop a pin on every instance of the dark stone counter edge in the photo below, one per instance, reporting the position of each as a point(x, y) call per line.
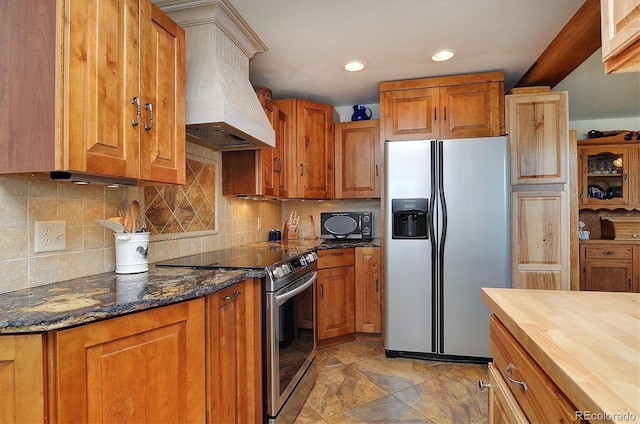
point(164, 286)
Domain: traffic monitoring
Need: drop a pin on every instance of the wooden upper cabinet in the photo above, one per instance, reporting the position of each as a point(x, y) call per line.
point(538, 134)
point(263, 171)
point(463, 106)
point(358, 159)
point(609, 173)
point(310, 148)
point(620, 35)
point(92, 90)
point(142, 367)
point(162, 88)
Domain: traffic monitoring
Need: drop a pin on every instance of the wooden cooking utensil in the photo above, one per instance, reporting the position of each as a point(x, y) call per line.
point(134, 215)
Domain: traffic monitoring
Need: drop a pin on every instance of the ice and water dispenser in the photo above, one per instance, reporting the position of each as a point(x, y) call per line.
point(410, 218)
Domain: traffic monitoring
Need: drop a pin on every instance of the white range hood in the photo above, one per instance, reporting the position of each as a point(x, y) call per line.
point(222, 109)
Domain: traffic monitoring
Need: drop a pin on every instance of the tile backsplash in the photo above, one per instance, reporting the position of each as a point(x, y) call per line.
point(90, 247)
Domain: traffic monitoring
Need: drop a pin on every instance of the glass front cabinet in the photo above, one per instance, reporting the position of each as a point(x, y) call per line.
point(609, 177)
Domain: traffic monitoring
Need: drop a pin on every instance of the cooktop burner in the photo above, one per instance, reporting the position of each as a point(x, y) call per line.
point(240, 257)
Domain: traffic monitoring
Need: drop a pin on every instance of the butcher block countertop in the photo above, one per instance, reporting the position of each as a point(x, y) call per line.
point(587, 342)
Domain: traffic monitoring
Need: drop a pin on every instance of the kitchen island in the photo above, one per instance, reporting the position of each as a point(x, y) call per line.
point(587, 344)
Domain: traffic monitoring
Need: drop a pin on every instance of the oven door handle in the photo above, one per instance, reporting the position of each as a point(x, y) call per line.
point(288, 295)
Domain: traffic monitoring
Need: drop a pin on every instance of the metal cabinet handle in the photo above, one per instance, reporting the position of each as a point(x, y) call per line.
point(507, 372)
point(445, 114)
point(235, 295)
point(608, 252)
point(301, 169)
point(376, 169)
point(337, 253)
point(277, 165)
point(321, 290)
point(435, 114)
point(483, 385)
point(148, 106)
point(376, 285)
point(136, 121)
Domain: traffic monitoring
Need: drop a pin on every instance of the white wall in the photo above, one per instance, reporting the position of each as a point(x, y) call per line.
point(582, 127)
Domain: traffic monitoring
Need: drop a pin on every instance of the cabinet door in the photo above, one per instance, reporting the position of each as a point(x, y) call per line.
point(605, 176)
point(162, 81)
point(335, 292)
point(268, 155)
point(22, 379)
point(143, 367)
point(636, 270)
point(620, 25)
point(281, 154)
point(611, 276)
point(538, 134)
point(315, 150)
point(368, 290)
point(411, 114)
point(101, 77)
point(471, 110)
point(539, 240)
point(233, 355)
point(357, 159)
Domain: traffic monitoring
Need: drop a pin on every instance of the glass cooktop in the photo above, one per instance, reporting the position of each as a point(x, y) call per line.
point(254, 257)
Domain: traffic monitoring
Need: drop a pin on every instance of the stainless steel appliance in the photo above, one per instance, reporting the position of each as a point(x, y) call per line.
point(288, 319)
point(447, 234)
point(346, 226)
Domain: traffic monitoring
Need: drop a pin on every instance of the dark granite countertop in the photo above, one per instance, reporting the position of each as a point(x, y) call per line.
point(97, 297)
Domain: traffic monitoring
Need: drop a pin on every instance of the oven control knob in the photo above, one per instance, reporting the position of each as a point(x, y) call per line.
point(311, 257)
point(277, 272)
point(285, 269)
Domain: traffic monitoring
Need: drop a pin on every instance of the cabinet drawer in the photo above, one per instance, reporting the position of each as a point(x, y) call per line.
point(609, 251)
point(542, 401)
point(331, 258)
point(503, 407)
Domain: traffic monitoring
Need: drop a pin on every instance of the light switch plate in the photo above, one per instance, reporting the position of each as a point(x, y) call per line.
point(50, 236)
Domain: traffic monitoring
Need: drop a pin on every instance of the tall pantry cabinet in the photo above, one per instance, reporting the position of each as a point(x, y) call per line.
point(92, 87)
point(544, 245)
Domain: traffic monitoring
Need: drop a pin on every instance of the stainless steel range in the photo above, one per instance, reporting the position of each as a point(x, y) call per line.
point(288, 318)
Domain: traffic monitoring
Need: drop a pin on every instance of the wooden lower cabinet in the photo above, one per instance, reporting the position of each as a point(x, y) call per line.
point(368, 290)
point(194, 361)
point(143, 367)
point(609, 266)
point(540, 254)
point(22, 383)
point(335, 293)
point(514, 372)
point(234, 367)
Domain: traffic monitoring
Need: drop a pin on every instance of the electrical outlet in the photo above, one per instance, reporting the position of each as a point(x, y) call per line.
point(50, 236)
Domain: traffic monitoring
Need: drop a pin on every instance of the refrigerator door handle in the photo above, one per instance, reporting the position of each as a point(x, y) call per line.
point(442, 241)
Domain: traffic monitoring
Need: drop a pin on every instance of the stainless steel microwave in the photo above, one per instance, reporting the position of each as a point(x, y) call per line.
point(346, 225)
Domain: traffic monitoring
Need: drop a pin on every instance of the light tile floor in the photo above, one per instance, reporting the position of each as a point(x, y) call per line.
point(358, 384)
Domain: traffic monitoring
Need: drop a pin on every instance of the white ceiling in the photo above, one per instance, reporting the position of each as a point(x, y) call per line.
point(309, 40)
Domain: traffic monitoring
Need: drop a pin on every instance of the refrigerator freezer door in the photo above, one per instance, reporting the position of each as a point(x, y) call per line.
point(408, 294)
point(476, 250)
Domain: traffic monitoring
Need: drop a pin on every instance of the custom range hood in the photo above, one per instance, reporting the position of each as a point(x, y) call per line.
point(222, 109)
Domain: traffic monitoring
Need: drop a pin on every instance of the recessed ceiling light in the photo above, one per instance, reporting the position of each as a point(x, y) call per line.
point(354, 65)
point(442, 55)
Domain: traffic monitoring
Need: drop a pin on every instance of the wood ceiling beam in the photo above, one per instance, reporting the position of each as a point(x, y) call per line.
point(578, 40)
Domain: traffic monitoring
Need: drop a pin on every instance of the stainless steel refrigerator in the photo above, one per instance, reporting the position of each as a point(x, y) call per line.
point(447, 234)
